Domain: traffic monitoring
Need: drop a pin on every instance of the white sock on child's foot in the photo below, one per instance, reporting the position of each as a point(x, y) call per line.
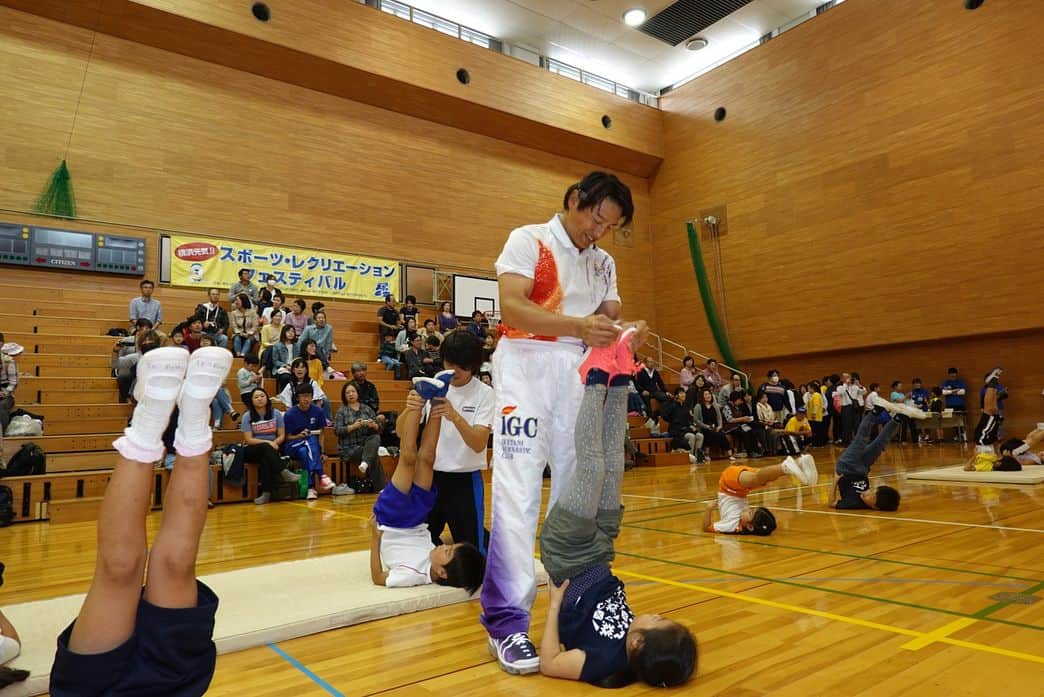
point(207, 369)
point(363, 467)
point(159, 376)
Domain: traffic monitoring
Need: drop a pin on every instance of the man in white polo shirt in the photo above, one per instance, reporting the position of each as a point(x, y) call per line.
point(467, 419)
point(557, 294)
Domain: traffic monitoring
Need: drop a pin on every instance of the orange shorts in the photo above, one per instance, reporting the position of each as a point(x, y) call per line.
point(729, 482)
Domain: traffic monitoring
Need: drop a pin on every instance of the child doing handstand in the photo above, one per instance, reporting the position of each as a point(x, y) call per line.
point(588, 614)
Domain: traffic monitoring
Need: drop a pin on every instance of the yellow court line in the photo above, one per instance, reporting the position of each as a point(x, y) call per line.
point(935, 635)
point(986, 648)
point(328, 510)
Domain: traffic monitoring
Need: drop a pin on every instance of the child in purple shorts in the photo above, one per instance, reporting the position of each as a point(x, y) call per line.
point(401, 550)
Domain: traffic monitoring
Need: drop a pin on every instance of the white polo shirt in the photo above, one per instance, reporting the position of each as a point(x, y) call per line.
point(474, 402)
point(730, 508)
point(566, 280)
point(406, 554)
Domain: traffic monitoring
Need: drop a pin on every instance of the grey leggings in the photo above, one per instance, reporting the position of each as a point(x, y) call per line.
point(601, 427)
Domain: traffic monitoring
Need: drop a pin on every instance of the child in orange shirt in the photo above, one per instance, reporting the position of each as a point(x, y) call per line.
point(736, 516)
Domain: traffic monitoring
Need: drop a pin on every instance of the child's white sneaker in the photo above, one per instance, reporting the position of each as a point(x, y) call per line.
point(206, 372)
point(160, 373)
point(807, 463)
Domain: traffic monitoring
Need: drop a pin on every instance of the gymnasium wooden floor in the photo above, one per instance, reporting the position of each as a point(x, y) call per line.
point(831, 604)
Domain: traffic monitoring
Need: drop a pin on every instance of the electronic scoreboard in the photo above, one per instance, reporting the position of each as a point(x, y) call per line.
point(72, 250)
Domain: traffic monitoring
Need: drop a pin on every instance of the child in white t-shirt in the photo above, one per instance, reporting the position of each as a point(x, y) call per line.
point(401, 551)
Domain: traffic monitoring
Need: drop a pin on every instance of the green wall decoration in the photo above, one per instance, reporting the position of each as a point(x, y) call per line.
point(710, 308)
point(57, 198)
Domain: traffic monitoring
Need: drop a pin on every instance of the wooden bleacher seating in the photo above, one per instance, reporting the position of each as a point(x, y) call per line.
point(65, 377)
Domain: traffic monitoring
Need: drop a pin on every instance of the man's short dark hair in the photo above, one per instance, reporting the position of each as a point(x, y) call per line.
point(952, 370)
point(462, 349)
point(317, 306)
point(465, 569)
point(411, 299)
point(143, 323)
point(432, 341)
point(242, 271)
point(597, 187)
point(304, 388)
point(251, 359)
point(738, 394)
point(887, 499)
point(146, 282)
point(678, 391)
point(918, 380)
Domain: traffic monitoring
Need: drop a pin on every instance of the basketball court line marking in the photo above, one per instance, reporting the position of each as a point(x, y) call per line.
point(912, 633)
point(937, 634)
point(309, 674)
point(319, 509)
point(883, 517)
point(746, 540)
point(831, 591)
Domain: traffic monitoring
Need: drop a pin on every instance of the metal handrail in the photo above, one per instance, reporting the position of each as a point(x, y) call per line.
point(657, 342)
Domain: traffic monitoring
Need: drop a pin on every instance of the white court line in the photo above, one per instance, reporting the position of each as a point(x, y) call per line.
point(853, 515)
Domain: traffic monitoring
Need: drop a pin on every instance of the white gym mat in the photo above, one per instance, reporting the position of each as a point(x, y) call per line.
point(1032, 474)
point(339, 593)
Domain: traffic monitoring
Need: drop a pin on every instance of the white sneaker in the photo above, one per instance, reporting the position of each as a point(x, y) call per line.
point(808, 466)
point(206, 372)
point(913, 411)
point(363, 467)
point(290, 477)
point(342, 490)
point(515, 653)
point(160, 373)
point(692, 459)
point(791, 467)
point(312, 495)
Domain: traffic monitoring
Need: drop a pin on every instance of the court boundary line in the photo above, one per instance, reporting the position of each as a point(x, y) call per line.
point(848, 555)
point(858, 515)
point(304, 669)
point(913, 633)
point(832, 591)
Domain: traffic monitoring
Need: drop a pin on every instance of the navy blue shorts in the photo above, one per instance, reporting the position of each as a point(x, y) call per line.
point(171, 653)
point(398, 510)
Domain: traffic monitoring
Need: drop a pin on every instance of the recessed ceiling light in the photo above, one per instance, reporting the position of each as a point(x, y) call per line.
point(697, 44)
point(634, 16)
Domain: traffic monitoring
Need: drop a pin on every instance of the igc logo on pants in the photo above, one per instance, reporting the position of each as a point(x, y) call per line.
point(516, 425)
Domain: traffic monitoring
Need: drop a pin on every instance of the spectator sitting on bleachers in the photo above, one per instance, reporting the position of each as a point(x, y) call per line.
point(193, 332)
point(282, 355)
point(404, 339)
point(447, 320)
point(687, 374)
point(248, 378)
point(389, 320)
point(297, 318)
point(387, 354)
point(684, 434)
point(725, 393)
point(489, 345)
point(358, 439)
point(322, 333)
point(299, 376)
point(244, 325)
point(429, 330)
point(708, 419)
point(739, 424)
point(244, 286)
point(8, 380)
point(317, 306)
point(767, 418)
point(431, 346)
point(126, 365)
point(275, 307)
point(650, 386)
point(264, 433)
point(272, 332)
point(487, 378)
point(146, 307)
point(416, 359)
point(366, 390)
point(479, 324)
point(712, 376)
point(409, 308)
point(215, 318)
point(694, 395)
point(177, 336)
point(310, 353)
point(304, 423)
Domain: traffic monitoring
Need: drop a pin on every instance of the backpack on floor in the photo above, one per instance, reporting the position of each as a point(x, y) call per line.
point(361, 485)
point(30, 459)
point(232, 462)
point(6, 512)
point(284, 491)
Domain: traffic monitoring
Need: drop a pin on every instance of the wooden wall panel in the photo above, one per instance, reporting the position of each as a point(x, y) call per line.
point(882, 169)
point(167, 141)
point(344, 48)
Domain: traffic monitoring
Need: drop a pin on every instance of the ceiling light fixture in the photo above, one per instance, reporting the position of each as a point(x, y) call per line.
point(696, 44)
point(634, 16)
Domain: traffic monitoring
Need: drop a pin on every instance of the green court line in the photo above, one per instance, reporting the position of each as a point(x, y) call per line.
point(849, 594)
point(986, 612)
point(746, 540)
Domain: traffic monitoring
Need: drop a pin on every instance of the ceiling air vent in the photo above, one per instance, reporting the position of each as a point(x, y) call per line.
point(686, 18)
